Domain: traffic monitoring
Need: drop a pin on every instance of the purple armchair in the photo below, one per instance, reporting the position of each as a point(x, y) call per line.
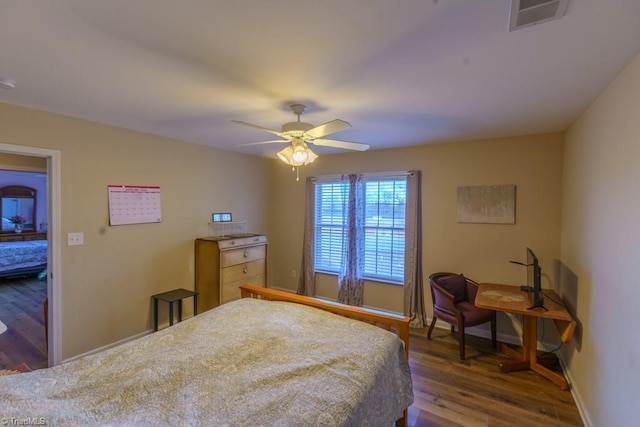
point(453, 298)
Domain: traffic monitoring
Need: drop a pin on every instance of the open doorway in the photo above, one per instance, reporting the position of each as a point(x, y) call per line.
point(23, 262)
point(38, 227)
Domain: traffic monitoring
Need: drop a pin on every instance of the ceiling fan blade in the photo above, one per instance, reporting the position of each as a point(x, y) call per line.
point(275, 141)
point(328, 128)
point(275, 132)
point(357, 146)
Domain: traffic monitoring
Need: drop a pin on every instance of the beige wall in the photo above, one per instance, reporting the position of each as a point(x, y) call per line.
point(107, 283)
point(600, 251)
point(481, 251)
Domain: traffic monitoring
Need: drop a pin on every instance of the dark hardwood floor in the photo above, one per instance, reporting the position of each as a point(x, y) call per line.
point(447, 391)
point(21, 310)
point(451, 392)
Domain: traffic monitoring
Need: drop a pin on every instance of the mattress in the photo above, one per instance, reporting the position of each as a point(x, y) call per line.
point(17, 255)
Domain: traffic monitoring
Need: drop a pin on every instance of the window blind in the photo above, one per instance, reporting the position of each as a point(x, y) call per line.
point(384, 226)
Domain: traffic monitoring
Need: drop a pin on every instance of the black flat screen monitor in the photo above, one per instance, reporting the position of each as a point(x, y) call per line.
point(534, 273)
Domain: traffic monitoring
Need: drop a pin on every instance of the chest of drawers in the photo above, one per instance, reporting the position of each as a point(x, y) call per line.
point(222, 264)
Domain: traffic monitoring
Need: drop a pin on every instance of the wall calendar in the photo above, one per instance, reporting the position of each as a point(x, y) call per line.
point(129, 204)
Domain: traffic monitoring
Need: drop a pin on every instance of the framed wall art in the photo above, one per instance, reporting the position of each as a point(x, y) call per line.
point(487, 204)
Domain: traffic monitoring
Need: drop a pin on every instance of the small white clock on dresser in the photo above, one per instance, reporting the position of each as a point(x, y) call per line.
point(224, 263)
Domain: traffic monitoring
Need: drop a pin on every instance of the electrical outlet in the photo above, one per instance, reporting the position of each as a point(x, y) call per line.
point(293, 274)
point(75, 239)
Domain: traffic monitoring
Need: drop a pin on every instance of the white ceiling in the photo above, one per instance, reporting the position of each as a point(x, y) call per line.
point(402, 72)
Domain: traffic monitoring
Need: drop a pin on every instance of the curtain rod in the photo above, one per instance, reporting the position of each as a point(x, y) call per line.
point(325, 178)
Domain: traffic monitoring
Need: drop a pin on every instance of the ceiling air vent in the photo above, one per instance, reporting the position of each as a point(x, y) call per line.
point(525, 13)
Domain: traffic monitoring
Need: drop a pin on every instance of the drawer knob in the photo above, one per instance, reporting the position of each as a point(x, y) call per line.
point(246, 254)
point(244, 270)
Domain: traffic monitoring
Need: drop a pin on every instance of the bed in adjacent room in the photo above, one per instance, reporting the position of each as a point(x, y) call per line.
point(23, 245)
point(248, 362)
point(24, 257)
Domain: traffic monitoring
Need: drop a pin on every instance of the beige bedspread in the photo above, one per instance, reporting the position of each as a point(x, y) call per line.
point(247, 363)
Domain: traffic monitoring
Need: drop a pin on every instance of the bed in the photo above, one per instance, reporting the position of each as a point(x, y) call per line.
point(18, 258)
point(270, 358)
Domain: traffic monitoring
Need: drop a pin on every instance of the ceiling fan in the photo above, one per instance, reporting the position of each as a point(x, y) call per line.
point(299, 133)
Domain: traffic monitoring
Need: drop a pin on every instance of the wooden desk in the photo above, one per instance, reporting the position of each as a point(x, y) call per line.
point(511, 299)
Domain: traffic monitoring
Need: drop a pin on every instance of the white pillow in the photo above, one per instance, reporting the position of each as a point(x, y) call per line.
point(6, 224)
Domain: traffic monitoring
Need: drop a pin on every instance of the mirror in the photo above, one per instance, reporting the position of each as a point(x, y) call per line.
point(18, 200)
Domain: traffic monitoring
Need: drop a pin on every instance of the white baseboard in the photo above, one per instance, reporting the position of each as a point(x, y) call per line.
point(108, 346)
point(482, 333)
point(582, 407)
point(117, 343)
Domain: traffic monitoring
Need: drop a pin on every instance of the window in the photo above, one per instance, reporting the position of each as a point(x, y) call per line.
point(384, 226)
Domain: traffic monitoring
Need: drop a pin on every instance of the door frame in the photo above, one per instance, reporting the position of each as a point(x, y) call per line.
point(54, 264)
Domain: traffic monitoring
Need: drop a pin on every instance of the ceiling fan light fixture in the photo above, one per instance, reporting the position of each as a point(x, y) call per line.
point(299, 133)
point(300, 155)
point(311, 156)
point(286, 155)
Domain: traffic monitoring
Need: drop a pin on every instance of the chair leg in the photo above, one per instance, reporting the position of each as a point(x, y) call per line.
point(433, 323)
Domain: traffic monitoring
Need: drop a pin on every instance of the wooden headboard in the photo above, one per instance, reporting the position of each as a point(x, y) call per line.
point(395, 323)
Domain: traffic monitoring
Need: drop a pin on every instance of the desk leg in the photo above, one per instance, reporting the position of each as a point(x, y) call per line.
point(180, 311)
point(528, 359)
point(553, 376)
point(518, 364)
point(529, 343)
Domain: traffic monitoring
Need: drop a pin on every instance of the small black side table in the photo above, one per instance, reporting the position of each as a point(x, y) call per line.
point(176, 295)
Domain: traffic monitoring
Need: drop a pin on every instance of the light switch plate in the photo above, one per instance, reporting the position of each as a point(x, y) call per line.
point(75, 239)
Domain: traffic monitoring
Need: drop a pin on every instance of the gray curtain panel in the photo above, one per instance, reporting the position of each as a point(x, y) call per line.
point(350, 278)
point(306, 283)
point(413, 280)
